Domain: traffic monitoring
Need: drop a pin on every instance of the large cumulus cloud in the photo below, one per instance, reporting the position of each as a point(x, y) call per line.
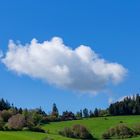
point(79, 69)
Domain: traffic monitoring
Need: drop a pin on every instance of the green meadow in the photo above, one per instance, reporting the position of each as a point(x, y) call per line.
point(96, 126)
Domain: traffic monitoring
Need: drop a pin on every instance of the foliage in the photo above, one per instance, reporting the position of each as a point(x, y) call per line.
point(67, 132)
point(1, 123)
point(120, 131)
point(81, 131)
point(68, 115)
point(91, 114)
point(37, 129)
point(79, 114)
point(55, 111)
point(4, 104)
point(96, 126)
point(103, 112)
point(5, 114)
point(105, 135)
point(77, 131)
point(96, 112)
point(16, 122)
point(129, 106)
point(136, 128)
point(33, 117)
point(85, 113)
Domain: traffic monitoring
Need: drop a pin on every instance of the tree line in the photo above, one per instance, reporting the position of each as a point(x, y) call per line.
point(13, 118)
point(128, 106)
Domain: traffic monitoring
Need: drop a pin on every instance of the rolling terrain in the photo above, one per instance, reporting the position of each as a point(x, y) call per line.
point(96, 126)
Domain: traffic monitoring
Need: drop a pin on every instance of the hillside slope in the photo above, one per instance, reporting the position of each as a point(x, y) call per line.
point(96, 126)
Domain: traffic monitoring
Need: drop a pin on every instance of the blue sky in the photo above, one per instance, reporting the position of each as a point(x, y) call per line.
point(110, 28)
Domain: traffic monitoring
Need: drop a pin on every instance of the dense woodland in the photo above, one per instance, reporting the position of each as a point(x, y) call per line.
point(129, 106)
point(13, 118)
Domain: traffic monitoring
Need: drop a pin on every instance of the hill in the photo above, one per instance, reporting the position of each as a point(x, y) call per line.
point(96, 126)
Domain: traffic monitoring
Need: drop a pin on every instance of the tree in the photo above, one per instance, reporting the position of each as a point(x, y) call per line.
point(77, 131)
point(16, 122)
point(40, 111)
point(5, 114)
point(103, 112)
point(36, 117)
point(68, 115)
point(85, 113)
point(91, 114)
point(80, 131)
point(128, 106)
point(1, 123)
point(4, 104)
point(29, 122)
point(55, 111)
point(96, 112)
point(79, 114)
point(20, 110)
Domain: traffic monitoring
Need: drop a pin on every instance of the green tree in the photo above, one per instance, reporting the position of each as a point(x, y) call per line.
point(4, 105)
point(96, 112)
point(55, 111)
point(85, 113)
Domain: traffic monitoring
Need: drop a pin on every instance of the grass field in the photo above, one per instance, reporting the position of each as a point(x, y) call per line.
point(96, 126)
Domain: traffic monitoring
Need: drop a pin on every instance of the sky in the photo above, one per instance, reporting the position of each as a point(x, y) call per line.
point(76, 54)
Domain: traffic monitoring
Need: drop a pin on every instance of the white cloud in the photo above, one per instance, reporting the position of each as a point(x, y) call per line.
point(79, 69)
point(110, 100)
point(123, 97)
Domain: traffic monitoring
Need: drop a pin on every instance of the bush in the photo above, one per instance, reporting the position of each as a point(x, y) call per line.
point(5, 114)
point(30, 121)
point(1, 123)
point(136, 128)
point(120, 131)
point(124, 131)
point(47, 138)
point(37, 129)
point(16, 122)
point(80, 131)
point(67, 132)
point(105, 136)
point(77, 131)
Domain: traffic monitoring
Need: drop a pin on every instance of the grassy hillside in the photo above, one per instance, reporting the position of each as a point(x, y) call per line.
point(96, 125)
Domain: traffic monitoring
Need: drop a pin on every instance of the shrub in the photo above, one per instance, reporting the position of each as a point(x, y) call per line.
point(81, 131)
point(77, 131)
point(67, 132)
point(5, 114)
point(32, 117)
point(47, 138)
point(124, 131)
point(105, 136)
point(16, 122)
point(113, 131)
point(120, 131)
point(37, 129)
point(1, 123)
point(30, 121)
point(136, 128)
